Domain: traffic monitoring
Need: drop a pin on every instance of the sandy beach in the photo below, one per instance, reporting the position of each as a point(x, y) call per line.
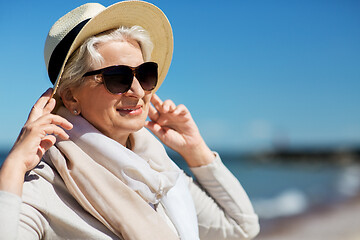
point(338, 222)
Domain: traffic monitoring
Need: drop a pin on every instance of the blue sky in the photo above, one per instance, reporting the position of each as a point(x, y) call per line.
point(254, 73)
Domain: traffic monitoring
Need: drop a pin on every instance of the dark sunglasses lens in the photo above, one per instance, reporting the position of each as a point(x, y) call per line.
point(118, 79)
point(147, 75)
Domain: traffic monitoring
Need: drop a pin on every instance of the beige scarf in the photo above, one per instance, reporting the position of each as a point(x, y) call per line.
point(116, 185)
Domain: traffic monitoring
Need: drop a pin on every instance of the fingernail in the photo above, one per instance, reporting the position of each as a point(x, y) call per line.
point(47, 91)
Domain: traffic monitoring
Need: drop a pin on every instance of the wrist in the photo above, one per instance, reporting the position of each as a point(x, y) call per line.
point(198, 155)
point(12, 175)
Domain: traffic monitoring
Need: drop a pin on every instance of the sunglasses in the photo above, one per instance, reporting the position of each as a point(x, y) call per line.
point(118, 79)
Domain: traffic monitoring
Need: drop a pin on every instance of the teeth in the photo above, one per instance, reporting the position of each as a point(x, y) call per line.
point(128, 109)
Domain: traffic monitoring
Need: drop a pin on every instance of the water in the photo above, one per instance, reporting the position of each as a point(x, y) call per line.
point(3, 155)
point(287, 188)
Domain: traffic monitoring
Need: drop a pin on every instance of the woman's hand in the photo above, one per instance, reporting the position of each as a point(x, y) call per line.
point(36, 137)
point(175, 127)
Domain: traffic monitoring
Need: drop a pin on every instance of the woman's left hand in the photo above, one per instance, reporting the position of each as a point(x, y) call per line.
point(175, 127)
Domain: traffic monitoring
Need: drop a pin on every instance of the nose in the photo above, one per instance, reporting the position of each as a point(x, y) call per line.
point(136, 90)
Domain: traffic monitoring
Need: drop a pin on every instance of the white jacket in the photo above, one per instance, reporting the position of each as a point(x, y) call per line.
point(48, 211)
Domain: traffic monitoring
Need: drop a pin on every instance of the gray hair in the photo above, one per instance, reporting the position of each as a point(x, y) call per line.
point(87, 57)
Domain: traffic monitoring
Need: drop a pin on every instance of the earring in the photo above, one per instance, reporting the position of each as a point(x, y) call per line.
point(75, 112)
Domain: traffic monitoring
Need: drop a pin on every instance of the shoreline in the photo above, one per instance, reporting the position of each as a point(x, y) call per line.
point(338, 221)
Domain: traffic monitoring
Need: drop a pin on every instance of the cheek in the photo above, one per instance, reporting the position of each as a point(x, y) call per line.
point(97, 101)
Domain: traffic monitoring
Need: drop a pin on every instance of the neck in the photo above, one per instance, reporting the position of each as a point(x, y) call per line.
point(124, 140)
point(128, 143)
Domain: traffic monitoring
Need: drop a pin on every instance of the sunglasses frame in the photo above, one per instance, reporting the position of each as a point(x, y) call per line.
point(134, 74)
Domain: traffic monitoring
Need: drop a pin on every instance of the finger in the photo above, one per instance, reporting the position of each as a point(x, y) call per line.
point(168, 106)
point(43, 100)
point(181, 110)
point(149, 124)
point(172, 108)
point(156, 129)
point(39, 105)
point(50, 105)
point(40, 152)
point(53, 119)
point(156, 101)
point(153, 114)
point(55, 130)
point(46, 143)
point(52, 124)
point(64, 123)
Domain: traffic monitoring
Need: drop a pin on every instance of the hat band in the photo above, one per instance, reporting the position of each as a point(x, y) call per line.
point(61, 50)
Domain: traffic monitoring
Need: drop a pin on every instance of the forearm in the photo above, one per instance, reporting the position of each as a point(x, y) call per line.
point(9, 215)
point(12, 175)
point(222, 185)
point(20, 220)
point(228, 214)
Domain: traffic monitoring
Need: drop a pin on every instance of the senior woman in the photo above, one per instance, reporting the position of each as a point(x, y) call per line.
point(92, 171)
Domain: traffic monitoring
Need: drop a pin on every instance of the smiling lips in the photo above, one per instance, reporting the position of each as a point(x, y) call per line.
point(133, 111)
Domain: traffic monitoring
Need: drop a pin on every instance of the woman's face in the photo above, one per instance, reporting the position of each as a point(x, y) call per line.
point(116, 116)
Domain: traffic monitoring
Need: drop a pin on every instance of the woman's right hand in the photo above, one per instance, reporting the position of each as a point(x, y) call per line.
point(36, 137)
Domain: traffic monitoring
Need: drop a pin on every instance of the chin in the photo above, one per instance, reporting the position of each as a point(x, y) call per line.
point(134, 126)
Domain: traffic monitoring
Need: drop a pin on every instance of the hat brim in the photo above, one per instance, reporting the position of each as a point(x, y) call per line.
point(128, 14)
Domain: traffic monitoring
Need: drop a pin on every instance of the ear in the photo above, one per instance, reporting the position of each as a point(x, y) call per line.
point(70, 101)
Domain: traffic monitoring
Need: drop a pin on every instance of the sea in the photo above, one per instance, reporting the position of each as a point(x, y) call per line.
point(285, 188)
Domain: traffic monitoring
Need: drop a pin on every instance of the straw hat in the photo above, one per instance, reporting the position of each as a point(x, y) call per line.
point(71, 30)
